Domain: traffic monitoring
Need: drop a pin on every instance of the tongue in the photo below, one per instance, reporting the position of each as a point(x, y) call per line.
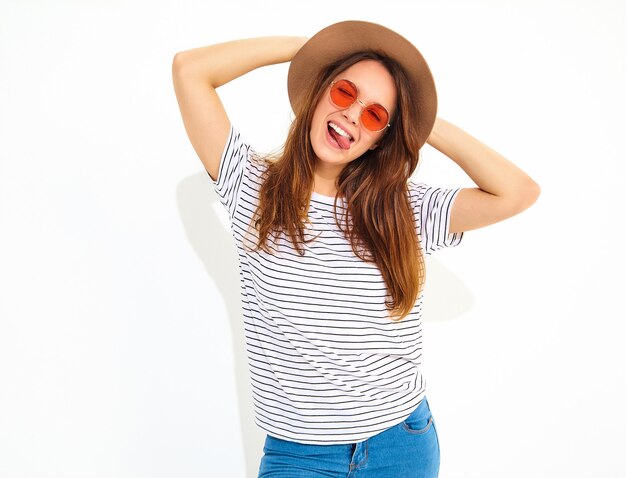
point(343, 142)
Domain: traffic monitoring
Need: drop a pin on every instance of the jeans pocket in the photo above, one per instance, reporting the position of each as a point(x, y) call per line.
point(420, 420)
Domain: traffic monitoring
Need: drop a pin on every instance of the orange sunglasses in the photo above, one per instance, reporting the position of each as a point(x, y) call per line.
point(344, 93)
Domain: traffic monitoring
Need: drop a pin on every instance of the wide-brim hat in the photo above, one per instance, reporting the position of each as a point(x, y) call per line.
point(343, 38)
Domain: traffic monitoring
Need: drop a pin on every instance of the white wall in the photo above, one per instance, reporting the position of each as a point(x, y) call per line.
point(121, 346)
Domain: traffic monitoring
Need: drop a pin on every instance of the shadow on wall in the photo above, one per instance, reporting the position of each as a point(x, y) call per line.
point(446, 297)
point(205, 222)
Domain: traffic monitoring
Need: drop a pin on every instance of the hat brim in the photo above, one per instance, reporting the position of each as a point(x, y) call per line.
point(341, 39)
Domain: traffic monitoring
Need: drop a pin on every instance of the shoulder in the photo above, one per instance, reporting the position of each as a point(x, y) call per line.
point(239, 145)
point(416, 191)
point(416, 187)
point(427, 199)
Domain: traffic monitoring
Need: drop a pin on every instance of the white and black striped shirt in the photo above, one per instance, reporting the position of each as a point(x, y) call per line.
point(327, 364)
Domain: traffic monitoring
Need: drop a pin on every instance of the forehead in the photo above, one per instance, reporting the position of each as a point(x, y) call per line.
point(374, 82)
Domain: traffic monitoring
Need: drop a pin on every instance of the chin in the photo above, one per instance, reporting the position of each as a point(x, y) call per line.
point(328, 155)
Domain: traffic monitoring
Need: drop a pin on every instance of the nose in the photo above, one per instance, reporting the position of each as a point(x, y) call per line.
point(353, 113)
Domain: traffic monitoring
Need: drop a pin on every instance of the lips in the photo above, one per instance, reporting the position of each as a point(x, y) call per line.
point(340, 136)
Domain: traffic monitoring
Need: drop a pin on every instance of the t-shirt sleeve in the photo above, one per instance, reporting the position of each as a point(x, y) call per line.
point(234, 163)
point(432, 206)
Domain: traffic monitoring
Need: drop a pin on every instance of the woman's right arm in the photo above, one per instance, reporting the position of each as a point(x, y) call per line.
point(198, 72)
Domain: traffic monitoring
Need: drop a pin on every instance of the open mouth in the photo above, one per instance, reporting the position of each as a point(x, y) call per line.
point(339, 135)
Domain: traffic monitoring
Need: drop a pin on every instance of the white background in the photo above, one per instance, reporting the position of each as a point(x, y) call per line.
point(121, 346)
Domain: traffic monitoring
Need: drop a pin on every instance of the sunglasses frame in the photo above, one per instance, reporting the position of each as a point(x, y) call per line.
point(361, 103)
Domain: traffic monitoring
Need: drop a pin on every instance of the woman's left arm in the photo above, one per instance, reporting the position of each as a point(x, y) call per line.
point(504, 190)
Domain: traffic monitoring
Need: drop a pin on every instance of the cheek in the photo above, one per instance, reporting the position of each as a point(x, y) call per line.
point(318, 114)
point(318, 123)
point(315, 130)
point(370, 140)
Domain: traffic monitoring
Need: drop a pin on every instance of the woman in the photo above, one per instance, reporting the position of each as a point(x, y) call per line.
point(331, 237)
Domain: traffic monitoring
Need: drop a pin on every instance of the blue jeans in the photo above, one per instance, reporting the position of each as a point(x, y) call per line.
point(407, 450)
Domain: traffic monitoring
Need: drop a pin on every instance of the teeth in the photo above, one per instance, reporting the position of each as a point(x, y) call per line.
point(339, 130)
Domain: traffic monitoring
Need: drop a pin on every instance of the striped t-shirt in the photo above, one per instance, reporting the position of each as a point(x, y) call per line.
point(327, 364)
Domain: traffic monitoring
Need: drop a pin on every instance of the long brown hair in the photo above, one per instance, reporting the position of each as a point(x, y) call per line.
point(374, 187)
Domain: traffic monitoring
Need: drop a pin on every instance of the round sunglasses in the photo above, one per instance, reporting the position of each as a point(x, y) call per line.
point(344, 93)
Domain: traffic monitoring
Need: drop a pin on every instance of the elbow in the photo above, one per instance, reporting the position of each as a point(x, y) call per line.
point(534, 190)
point(529, 194)
point(178, 62)
point(183, 65)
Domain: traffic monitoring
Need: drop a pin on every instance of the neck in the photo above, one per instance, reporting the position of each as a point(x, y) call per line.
point(325, 179)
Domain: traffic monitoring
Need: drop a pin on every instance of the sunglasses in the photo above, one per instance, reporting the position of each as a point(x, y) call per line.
point(344, 93)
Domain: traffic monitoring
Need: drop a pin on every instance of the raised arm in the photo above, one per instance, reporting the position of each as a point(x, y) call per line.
point(504, 190)
point(198, 72)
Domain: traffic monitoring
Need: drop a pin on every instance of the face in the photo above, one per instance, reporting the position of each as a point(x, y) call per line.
point(375, 85)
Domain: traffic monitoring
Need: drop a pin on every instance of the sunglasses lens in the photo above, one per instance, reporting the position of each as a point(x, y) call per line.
point(375, 117)
point(343, 93)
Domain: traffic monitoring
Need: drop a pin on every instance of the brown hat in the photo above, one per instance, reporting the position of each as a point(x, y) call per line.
point(343, 38)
